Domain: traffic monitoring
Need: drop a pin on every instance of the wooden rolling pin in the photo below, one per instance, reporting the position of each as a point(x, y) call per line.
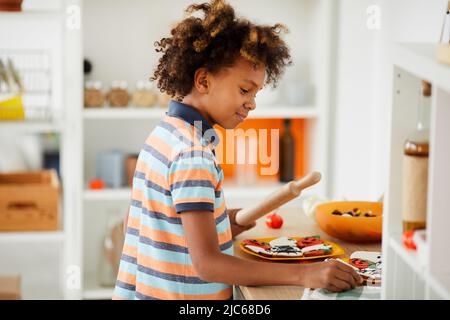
point(276, 199)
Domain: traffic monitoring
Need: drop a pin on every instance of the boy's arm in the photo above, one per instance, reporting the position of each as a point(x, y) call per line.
point(237, 229)
point(125, 222)
point(214, 266)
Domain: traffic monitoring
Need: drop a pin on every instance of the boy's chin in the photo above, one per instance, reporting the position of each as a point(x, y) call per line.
point(229, 125)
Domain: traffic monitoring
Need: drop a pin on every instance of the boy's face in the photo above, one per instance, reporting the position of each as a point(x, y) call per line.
point(232, 92)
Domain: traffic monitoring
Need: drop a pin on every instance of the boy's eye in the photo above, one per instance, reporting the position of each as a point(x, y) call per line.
point(243, 91)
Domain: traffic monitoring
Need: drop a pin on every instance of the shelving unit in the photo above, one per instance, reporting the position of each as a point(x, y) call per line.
point(405, 276)
point(42, 258)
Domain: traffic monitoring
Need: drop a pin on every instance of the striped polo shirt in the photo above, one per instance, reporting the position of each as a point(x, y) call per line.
point(176, 171)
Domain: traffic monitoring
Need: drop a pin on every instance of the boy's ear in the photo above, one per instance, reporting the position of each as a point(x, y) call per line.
point(201, 80)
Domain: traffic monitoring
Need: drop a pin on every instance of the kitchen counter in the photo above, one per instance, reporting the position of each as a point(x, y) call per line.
point(296, 223)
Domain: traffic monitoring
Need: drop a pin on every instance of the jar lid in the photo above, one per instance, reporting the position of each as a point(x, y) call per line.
point(426, 88)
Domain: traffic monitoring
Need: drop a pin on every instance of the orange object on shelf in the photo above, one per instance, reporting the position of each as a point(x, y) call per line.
point(96, 184)
point(29, 201)
point(297, 129)
point(351, 229)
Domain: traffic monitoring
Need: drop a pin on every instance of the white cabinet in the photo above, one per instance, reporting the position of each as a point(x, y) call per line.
point(42, 258)
point(404, 277)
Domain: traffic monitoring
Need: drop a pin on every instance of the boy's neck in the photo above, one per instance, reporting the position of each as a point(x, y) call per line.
point(196, 103)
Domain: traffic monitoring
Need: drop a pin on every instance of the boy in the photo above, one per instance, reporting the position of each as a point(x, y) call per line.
point(179, 233)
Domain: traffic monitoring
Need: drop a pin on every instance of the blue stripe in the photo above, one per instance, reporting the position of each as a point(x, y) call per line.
point(187, 165)
point(222, 217)
point(158, 155)
point(226, 246)
point(124, 293)
point(149, 184)
point(162, 245)
point(152, 162)
point(129, 259)
point(170, 277)
point(161, 216)
point(222, 224)
point(136, 209)
point(141, 296)
point(195, 154)
point(170, 246)
point(167, 246)
point(194, 206)
point(169, 256)
point(163, 255)
point(192, 183)
point(132, 231)
point(125, 286)
point(182, 287)
point(174, 133)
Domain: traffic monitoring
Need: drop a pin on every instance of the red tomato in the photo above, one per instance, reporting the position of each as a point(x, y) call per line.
point(408, 240)
point(359, 263)
point(274, 221)
point(96, 184)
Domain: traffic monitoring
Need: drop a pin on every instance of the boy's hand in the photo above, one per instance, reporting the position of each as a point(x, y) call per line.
point(331, 275)
point(236, 228)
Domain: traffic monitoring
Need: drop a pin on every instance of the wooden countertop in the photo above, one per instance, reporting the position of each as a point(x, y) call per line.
point(296, 223)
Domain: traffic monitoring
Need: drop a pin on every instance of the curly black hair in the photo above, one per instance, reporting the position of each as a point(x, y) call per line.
point(214, 42)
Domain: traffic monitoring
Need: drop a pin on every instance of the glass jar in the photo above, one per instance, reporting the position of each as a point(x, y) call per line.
point(415, 166)
point(118, 95)
point(93, 95)
point(144, 96)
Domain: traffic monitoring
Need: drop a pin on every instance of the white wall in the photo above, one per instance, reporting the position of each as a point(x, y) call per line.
point(113, 27)
point(364, 84)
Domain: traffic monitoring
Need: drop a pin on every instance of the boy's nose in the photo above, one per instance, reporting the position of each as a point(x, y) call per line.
point(251, 105)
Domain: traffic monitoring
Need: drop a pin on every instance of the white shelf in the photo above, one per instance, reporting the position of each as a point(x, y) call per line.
point(123, 194)
point(441, 285)
point(98, 293)
point(31, 126)
point(94, 291)
point(284, 112)
point(35, 237)
point(421, 60)
point(124, 113)
point(28, 15)
point(408, 256)
point(157, 113)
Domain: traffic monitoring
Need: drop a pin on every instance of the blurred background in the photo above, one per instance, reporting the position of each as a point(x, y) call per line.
point(76, 106)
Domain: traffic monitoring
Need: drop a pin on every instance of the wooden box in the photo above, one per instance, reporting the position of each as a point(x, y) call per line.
point(10, 288)
point(29, 201)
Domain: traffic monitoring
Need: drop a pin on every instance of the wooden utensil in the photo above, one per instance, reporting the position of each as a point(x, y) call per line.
point(276, 199)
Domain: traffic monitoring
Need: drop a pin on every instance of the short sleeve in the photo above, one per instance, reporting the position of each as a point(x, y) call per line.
point(193, 179)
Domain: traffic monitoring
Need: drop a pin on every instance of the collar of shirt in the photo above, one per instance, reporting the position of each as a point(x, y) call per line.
point(193, 117)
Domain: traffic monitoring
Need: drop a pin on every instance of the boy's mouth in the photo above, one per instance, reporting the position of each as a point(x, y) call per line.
point(241, 116)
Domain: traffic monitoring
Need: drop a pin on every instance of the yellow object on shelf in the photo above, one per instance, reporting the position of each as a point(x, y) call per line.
point(443, 53)
point(12, 109)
